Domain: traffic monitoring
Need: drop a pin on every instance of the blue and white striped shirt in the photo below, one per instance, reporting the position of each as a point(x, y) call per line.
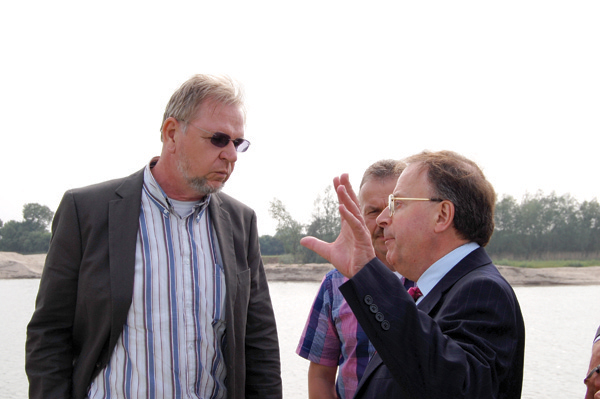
point(172, 344)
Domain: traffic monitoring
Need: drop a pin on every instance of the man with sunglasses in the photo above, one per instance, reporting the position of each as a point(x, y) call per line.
point(332, 336)
point(153, 284)
point(460, 333)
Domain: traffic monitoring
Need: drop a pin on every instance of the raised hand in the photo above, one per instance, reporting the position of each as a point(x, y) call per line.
point(353, 247)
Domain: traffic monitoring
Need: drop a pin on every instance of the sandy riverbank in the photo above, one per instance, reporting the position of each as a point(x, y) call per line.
point(514, 275)
point(13, 265)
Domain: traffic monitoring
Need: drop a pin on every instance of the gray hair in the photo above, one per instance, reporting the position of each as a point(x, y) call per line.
point(184, 103)
point(383, 170)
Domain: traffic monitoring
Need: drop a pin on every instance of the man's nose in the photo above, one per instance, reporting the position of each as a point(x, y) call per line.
point(383, 220)
point(229, 152)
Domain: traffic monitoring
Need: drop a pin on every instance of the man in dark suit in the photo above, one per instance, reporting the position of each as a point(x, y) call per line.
point(154, 285)
point(592, 380)
point(461, 334)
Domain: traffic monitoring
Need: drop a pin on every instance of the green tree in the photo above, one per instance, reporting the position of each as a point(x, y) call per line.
point(38, 215)
point(546, 225)
point(270, 245)
point(590, 225)
point(30, 235)
point(325, 224)
point(288, 230)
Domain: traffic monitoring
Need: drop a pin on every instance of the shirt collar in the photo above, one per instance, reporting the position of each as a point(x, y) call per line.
point(161, 198)
point(440, 268)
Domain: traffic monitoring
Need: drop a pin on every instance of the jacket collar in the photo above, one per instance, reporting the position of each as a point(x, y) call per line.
point(474, 260)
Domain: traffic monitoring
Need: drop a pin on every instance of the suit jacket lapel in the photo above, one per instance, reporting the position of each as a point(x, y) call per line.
point(474, 260)
point(224, 231)
point(123, 219)
point(222, 223)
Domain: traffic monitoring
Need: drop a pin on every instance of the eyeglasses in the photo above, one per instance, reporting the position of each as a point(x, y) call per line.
point(392, 201)
point(221, 140)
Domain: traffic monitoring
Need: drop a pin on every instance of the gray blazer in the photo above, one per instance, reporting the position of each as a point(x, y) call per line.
point(87, 284)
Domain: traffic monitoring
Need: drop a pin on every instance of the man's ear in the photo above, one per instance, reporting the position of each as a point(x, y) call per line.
point(445, 216)
point(169, 129)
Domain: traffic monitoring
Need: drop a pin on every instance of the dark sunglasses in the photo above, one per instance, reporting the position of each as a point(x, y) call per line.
point(221, 140)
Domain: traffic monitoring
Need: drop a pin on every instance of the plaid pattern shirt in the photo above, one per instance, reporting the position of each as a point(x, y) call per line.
point(333, 337)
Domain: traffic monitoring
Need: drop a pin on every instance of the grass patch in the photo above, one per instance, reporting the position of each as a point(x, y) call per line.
point(548, 263)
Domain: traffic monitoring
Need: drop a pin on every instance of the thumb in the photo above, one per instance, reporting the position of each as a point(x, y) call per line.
point(317, 246)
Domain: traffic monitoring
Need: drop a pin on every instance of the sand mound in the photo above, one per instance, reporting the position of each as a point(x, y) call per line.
point(14, 265)
point(516, 276)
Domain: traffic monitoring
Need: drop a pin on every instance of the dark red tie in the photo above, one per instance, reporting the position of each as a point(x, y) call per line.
point(415, 292)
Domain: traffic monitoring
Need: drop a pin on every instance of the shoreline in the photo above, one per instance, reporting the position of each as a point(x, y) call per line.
point(516, 276)
point(17, 266)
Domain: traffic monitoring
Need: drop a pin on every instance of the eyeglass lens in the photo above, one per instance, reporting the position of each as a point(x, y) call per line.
point(221, 140)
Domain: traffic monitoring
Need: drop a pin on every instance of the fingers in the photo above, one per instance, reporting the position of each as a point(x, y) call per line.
point(321, 248)
point(347, 198)
point(345, 181)
point(357, 235)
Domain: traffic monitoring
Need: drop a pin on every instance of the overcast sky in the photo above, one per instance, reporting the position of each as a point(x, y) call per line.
point(331, 87)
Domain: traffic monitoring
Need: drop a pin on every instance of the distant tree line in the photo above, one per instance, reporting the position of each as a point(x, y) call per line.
point(539, 227)
point(325, 224)
point(29, 236)
point(546, 227)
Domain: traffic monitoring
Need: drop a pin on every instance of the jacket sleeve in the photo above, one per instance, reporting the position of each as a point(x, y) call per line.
point(49, 344)
point(466, 350)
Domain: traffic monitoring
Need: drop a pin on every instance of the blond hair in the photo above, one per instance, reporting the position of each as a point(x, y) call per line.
point(186, 101)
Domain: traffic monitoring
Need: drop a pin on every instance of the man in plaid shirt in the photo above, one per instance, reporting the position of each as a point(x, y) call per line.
point(332, 336)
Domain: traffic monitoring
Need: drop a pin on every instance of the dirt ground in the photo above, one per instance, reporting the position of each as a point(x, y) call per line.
point(514, 275)
point(13, 265)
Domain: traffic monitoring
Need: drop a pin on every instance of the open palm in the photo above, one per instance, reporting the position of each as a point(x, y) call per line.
point(353, 248)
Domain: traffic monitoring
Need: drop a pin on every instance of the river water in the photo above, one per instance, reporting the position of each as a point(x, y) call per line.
point(560, 323)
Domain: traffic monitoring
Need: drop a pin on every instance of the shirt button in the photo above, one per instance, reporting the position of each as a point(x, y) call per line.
point(368, 299)
point(379, 317)
point(385, 325)
point(373, 308)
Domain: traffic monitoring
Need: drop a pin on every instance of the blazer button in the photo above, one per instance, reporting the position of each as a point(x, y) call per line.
point(379, 317)
point(368, 299)
point(373, 308)
point(385, 325)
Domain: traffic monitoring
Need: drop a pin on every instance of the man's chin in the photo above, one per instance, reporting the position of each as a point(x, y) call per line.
point(204, 187)
point(380, 247)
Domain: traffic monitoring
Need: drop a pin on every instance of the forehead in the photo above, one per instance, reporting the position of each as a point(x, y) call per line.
point(413, 180)
point(375, 188)
point(215, 110)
